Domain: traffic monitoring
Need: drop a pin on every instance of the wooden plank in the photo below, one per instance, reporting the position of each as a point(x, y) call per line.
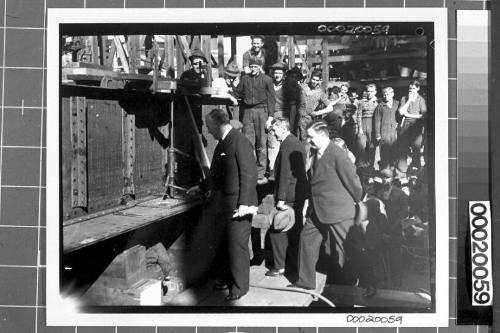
point(206, 49)
point(170, 56)
point(183, 53)
point(200, 152)
point(134, 47)
point(233, 48)
point(220, 55)
point(78, 106)
point(373, 56)
point(120, 51)
point(291, 52)
point(96, 74)
point(128, 147)
point(92, 231)
point(95, 50)
point(101, 42)
point(324, 63)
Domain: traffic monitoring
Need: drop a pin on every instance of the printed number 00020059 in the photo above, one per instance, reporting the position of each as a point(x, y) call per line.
point(480, 217)
point(355, 29)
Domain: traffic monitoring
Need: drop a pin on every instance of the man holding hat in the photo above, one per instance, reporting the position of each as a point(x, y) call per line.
point(290, 193)
point(257, 93)
point(256, 51)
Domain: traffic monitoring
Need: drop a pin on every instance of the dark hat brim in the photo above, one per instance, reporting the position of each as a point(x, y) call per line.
point(232, 74)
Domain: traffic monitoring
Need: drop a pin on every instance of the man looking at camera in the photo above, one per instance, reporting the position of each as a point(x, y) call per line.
point(278, 75)
point(256, 51)
point(257, 92)
point(313, 97)
point(413, 109)
point(365, 127)
point(385, 130)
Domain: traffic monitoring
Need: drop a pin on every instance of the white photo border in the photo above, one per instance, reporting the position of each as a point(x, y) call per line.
point(59, 310)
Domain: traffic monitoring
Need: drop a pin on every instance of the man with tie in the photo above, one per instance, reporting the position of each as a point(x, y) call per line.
point(233, 201)
point(335, 189)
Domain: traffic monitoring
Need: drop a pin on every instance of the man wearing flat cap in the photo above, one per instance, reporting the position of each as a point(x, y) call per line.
point(256, 51)
point(190, 83)
point(256, 90)
point(197, 74)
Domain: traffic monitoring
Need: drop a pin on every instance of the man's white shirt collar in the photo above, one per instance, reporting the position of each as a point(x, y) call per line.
point(225, 133)
point(321, 151)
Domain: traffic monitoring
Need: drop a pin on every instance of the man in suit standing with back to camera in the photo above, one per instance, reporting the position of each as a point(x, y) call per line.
point(290, 193)
point(233, 201)
point(335, 189)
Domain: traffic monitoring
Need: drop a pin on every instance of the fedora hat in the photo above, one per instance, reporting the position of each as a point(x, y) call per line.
point(232, 70)
point(282, 220)
point(197, 53)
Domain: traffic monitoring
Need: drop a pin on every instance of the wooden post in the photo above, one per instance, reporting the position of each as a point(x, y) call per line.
point(78, 128)
point(291, 52)
point(233, 49)
point(101, 41)
point(120, 51)
point(169, 49)
point(310, 55)
point(206, 49)
point(128, 150)
point(180, 58)
point(134, 52)
point(220, 55)
point(95, 50)
point(324, 63)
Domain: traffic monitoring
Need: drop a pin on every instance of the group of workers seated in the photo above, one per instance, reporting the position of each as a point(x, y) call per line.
point(317, 150)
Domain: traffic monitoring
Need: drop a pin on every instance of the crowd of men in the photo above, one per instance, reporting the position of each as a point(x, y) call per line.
point(318, 149)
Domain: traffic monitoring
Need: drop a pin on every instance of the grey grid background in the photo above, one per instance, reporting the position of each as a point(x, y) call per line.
point(23, 153)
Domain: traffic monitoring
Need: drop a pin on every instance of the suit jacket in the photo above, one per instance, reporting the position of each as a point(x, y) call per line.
point(233, 173)
point(291, 177)
point(334, 186)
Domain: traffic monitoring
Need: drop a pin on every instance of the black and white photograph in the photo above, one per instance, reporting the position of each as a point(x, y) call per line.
point(252, 167)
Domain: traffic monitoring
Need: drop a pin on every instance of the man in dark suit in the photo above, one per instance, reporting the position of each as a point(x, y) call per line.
point(290, 190)
point(233, 201)
point(335, 189)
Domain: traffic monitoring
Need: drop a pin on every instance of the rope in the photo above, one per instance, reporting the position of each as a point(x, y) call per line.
point(297, 290)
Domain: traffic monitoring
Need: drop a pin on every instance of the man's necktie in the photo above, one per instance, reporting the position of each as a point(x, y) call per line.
point(314, 163)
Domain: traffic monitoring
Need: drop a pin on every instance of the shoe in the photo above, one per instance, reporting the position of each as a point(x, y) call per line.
point(232, 297)
point(294, 285)
point(275, 272)
point(370, 291)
